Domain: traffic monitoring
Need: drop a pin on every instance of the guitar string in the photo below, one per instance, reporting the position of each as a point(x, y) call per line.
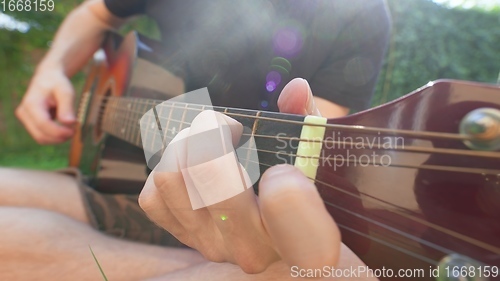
point(334, 188)
point(455, 152)
point(387, 227)
point(481, 171)
point(400, 213)
point(131, 118)
point(294, 155)
point(411, 149)
point(365, 164)
point(272, 152)
point(420, 134)
point(378, 202)
point(261, 150)
point(359, 128)
point(390, 245)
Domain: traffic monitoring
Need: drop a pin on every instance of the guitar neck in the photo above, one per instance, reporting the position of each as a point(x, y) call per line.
point(160, 121)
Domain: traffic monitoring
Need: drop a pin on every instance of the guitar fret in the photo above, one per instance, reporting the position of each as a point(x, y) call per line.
point(145, 108)
point(123, 122)
point(183, 117)
point(120, 118)
point(251, 143)
point(137, 134)
point(160, 115)
point(133, 121)
point(136, 120)
point(129, 121)
point(167, 126)
point(123, 113)
point(135, 117)
point(143, 111)
point(154, 127)
point(254, 127)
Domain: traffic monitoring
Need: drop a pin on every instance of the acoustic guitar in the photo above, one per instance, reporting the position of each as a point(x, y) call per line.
point(413, 184)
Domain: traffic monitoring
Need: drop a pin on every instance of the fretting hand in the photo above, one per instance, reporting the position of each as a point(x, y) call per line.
point(287, 221)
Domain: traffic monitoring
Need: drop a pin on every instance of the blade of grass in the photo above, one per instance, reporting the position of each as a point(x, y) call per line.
point(98, 265)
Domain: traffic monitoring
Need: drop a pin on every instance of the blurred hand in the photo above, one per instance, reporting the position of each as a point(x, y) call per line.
point(287, 221)
point(47, 107)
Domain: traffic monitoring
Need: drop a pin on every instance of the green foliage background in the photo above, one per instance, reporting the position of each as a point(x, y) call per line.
point(429, 42)
point(19, 53)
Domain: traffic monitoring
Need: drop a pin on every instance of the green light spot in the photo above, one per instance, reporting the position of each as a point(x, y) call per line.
point(223, 217)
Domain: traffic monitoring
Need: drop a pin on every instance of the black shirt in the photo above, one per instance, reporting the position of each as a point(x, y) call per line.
point(246, 51)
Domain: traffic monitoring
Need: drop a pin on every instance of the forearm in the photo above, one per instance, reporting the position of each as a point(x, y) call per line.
point(78, 37)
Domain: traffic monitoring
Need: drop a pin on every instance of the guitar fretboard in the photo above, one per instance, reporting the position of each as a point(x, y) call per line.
point(161, 121)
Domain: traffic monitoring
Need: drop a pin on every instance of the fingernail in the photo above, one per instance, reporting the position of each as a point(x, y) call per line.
point(310, 104)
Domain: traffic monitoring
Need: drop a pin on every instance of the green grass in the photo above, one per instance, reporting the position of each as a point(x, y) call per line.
point(36, 157)
point(17, 148)
point(98, 264)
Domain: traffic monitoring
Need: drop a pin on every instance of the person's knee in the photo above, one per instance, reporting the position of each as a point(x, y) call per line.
point(19, 187)
point(40, 189)
point(7, 186)
point(37, 243)
point(25, 230)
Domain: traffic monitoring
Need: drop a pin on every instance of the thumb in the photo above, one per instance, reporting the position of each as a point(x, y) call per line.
point(296, 219)
point(297, 98)
point(64, 95)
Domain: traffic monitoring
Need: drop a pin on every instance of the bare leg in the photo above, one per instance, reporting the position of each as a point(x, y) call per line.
point(44, 190)
point(42, 245)
point(210, 271)
point(47, 243)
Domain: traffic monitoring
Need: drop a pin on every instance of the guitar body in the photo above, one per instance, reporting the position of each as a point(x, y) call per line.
point(110, 164)
point(420, 207)
point(93, 151)
point(425, 205)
